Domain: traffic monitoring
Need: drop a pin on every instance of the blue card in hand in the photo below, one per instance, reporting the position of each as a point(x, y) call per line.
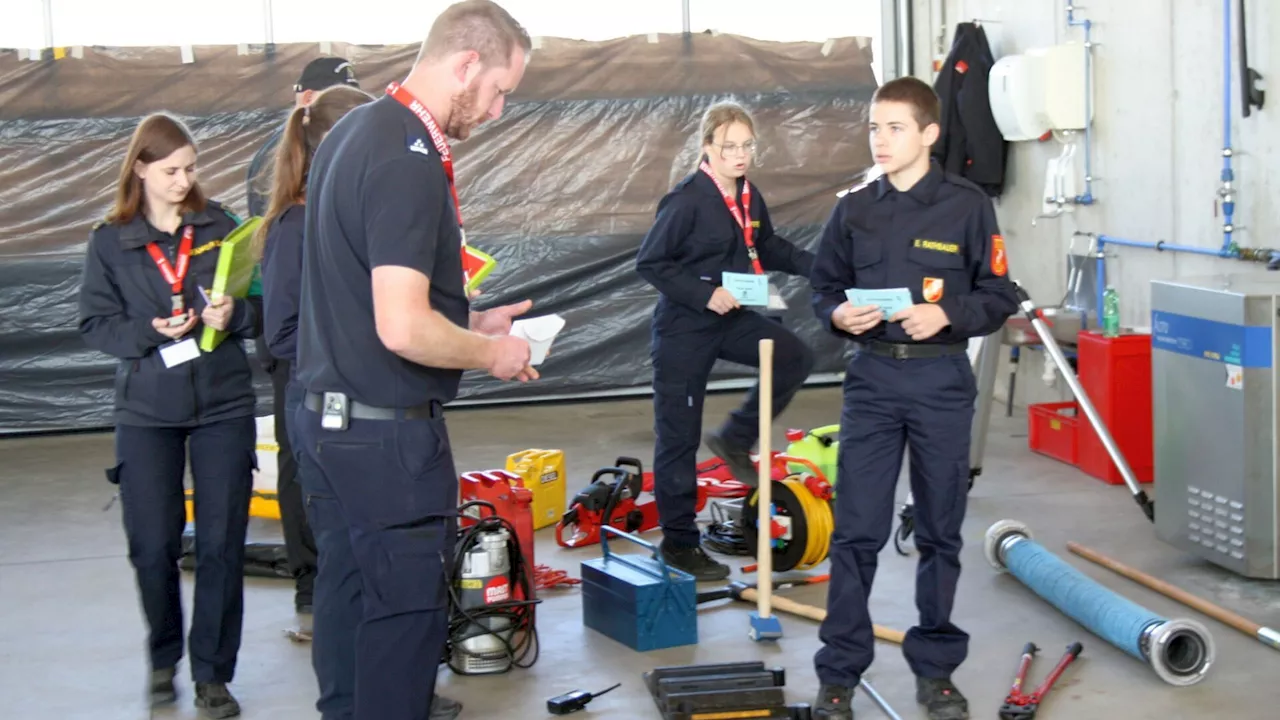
point(890, 300)
point(747, 288)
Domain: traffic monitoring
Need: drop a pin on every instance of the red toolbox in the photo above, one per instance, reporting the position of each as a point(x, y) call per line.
point(1052, 430)
point(1116, 374)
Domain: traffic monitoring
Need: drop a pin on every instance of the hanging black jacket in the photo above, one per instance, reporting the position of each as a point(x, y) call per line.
point(970, 144)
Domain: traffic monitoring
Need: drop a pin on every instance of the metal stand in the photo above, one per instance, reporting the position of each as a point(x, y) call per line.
point(1082, 399)
point(985, 372)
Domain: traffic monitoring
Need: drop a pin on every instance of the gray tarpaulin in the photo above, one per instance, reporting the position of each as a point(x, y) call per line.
point(561, 189)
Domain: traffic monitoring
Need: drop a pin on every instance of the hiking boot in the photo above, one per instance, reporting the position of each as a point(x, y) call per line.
point(941, 698)
point(443, 708)
point(160, 687)
point(693, 560)
point(835, 702)
point(215, 701)
point(737, 458)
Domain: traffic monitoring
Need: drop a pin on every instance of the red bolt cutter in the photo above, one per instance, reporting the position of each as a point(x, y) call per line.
point(1021, 706)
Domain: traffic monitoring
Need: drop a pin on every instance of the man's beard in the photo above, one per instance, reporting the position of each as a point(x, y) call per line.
point(462, 117)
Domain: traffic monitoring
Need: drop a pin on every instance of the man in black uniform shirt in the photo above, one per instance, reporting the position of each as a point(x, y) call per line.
point(385, 331)
point(933, 235)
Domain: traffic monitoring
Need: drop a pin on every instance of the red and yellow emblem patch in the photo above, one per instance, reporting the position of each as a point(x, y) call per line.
point(999, 262)
point(932, 289)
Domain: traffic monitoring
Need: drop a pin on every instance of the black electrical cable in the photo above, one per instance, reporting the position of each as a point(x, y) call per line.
point(518, 612)
point(723, 535)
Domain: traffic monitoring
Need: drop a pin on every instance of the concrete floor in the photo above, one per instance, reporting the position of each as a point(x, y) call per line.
point(72, 639)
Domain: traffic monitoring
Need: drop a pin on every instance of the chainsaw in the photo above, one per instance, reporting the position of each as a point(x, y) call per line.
point(609, 499)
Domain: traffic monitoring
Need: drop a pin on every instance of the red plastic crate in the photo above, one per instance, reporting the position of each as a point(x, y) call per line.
point(1052, 430)
point(1116, 374)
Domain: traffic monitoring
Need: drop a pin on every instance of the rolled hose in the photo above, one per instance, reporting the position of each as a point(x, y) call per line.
point(1179, 651)
point(815, 522)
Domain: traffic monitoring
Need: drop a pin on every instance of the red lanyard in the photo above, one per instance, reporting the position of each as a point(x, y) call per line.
point(744, 223)
point(406, 98)
point(175, 278)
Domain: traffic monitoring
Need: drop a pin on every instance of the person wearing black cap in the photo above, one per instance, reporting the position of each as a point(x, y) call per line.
point(319, 74)
point(299, 542)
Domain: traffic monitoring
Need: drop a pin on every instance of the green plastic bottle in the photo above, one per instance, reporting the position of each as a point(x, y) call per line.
point(1111, 313)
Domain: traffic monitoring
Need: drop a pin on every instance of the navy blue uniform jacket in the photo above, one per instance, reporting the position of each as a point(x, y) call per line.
point(694, 239)
point(282, 282)
point(939, 239)
point(123, 291)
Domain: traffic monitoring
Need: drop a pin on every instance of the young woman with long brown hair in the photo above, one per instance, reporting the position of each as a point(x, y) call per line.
point(713, 236)
point(144, 300)
point(278, 242)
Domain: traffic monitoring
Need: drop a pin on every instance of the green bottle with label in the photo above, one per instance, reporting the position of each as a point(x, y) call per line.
point(1111, 313)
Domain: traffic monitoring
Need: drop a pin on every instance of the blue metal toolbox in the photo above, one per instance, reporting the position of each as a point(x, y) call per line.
point(638, 600)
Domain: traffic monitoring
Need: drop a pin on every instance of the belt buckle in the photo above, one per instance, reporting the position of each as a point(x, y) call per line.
point(899, 351)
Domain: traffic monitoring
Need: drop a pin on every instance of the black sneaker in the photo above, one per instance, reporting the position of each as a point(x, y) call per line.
point(693, 560)
point(215, 701)
point(835, 702)
point(443, 708)
point(941, 698)
point(161, 688)
point(738, 459)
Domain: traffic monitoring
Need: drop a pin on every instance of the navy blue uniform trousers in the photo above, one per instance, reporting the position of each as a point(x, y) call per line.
point(151, 464)
point(682, 364)
point(382, 499)
point(925, 404)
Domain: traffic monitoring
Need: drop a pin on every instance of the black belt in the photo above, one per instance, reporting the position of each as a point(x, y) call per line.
point(426, 411)
point(908, 351)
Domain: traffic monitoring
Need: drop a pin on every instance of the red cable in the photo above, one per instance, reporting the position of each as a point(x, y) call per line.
point(546, 578)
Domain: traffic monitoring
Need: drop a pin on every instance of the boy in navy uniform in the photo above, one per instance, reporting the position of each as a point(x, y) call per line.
point(909, 383)
point(385, 332)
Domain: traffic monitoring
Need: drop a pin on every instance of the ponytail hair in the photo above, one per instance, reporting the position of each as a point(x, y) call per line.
point(303, 131)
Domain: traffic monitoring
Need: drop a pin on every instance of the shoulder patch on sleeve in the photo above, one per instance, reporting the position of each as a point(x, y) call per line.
point(999, 260)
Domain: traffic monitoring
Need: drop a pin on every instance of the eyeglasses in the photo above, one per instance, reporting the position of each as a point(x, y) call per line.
point(734, 150)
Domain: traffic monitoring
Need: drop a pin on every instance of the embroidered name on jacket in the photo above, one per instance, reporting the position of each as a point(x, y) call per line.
point(935, 245)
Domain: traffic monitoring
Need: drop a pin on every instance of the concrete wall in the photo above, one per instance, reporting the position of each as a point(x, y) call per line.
point(1157, 143)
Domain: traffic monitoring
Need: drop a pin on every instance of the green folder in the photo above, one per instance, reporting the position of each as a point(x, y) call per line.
point(233, 276)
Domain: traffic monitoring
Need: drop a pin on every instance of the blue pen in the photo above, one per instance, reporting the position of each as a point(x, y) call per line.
point(204, 295)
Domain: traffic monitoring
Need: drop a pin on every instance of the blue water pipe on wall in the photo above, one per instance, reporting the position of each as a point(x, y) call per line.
point(1229, 249)
point(1228, 176)
point(1087, 197)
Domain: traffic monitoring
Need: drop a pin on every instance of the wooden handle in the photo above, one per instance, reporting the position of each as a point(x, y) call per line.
point(817, 614)
point(764, 493)
point(1244, 625)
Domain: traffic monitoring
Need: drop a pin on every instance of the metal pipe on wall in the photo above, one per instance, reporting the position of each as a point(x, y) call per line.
point(1087, 197)
point(1227, 191)
point(48, 27)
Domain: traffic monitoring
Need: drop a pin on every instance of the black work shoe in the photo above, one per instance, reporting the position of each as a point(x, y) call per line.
point(941, 698)
point(443, 708)
point(215, 701)
point(835, 702)
point(695, 561)
point(738, 459)
point(160, 687)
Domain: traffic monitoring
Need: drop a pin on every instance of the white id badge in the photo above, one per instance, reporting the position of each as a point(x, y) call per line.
point(176, 353)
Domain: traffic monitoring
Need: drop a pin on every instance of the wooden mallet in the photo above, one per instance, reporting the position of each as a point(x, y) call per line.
point(764, 624)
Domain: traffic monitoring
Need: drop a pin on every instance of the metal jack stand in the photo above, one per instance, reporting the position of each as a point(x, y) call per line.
point(988, 363)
